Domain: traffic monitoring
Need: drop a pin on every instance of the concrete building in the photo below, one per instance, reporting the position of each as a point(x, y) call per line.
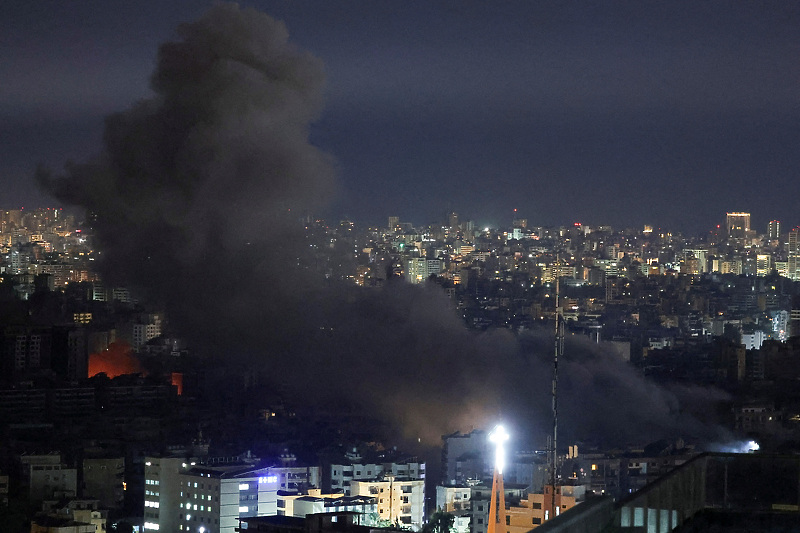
point(162, 492)
point(314, 502)
point(80, 511)
point(455, 500)
point(535, 510)
point(738, 225)
point(297, 478)
point(141, 333)
point(103, 479)
point(3, 489)
point(343, 474)
point(764, 265)
point(182, 496)
point(451, 499)
point(464, 456)
point(712, 492)
point(400, 501)
point(480, 503)
point(754, 340)
point(774, 230)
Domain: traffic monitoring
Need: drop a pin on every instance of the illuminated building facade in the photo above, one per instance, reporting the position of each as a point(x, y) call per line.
point(793, 261)
point(400, 501)
point(774, 230)
point(738, 225)
point(181, 496)
point(419, 269)
point(535, 510)
point(793, 241)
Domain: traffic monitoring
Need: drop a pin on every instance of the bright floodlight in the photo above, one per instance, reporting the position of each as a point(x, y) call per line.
point(498, 436)
point(753, 446)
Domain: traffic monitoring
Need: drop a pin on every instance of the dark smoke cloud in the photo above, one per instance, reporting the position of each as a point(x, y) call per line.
point(196, 198)
point(206, 178)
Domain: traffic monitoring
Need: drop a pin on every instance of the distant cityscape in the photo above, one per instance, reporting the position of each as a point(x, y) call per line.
point(110, 424)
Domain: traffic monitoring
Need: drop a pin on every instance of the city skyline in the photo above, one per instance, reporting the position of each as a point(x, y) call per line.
point(625, 114)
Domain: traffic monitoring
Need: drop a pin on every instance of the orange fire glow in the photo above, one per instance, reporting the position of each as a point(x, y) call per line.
point(116, 360)
point(177, 382)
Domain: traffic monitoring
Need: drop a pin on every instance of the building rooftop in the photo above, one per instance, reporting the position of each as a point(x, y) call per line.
point(712, 492)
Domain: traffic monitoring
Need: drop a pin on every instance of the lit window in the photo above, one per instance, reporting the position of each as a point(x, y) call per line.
point(244, 486)
point(243, 509)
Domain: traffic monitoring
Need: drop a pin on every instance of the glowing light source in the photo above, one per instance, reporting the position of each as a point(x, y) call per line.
point(752, 446)
point(498, 436)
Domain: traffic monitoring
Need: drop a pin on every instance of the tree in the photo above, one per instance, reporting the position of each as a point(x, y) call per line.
point(439, 522)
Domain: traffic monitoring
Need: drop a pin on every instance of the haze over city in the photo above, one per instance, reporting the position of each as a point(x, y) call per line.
point(311, 229)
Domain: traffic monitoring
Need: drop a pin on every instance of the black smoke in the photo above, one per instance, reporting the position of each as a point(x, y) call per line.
point(195, 201)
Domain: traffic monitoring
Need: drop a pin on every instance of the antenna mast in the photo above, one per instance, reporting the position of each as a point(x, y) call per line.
point(558, 351)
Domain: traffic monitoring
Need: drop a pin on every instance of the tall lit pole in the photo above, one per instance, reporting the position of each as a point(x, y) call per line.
point(497, 503)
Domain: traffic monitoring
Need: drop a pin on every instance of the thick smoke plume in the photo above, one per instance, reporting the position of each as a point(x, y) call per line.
point(195, 201)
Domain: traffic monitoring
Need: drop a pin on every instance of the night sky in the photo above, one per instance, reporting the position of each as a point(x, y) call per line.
point(621, 113)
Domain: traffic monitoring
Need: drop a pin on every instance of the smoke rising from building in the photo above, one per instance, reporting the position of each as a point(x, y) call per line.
point(195, 201)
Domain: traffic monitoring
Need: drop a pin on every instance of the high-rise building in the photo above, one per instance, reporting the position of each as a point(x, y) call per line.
point(764, 265)
point(774, 230)
point(794, 241)
point(738, 225)
point(452, 220)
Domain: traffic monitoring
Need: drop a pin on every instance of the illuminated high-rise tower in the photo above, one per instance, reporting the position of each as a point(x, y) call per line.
point(738, 225)
point(793, 242)
point(774, 230)
point(497, 503)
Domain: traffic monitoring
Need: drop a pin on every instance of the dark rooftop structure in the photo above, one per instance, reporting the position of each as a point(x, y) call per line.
point(716, 492)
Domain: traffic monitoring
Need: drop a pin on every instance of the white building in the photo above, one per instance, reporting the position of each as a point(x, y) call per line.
point(144, 332)
point(302, 505)
point(47, 478)
point(400, 502)
point(205, 499)
point(451, 499)
point(780, 325)
point(342, 475)
point(753, 341)
point(297, 478)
